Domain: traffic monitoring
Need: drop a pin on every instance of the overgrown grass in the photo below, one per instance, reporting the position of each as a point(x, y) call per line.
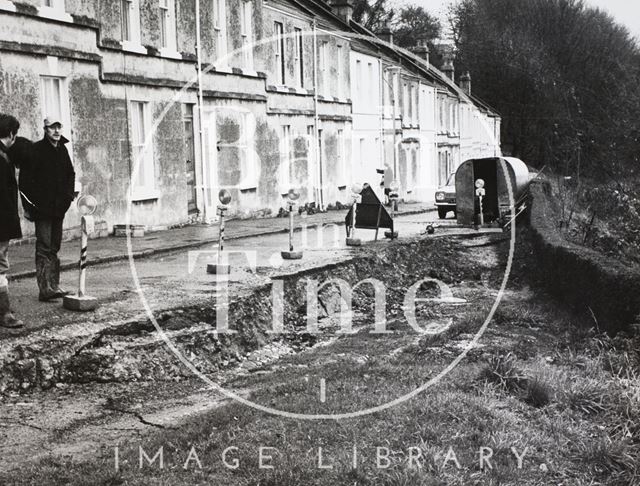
point(540, 383)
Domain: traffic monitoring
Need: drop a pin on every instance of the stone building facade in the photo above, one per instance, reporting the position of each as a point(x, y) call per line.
point(167, 101)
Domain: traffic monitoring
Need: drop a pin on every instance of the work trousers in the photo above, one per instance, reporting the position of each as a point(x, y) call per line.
point(4, 265)
point(48, 238)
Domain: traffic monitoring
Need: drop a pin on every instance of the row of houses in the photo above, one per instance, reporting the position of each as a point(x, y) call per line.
point(167, 101)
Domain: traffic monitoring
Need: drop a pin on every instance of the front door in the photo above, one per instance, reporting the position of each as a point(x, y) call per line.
point(190, 155)
point(320, 201)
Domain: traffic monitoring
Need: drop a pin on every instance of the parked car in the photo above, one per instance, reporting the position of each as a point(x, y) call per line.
point(446, 197)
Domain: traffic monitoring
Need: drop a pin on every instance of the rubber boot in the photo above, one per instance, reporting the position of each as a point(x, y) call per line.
point(54, 281)
point(7, 319)
point(43, 276)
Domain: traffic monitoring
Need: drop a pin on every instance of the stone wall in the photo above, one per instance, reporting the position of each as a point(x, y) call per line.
point(580, 276)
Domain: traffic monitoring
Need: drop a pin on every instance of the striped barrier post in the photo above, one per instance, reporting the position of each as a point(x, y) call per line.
point(221, 211)
point(83, 256)
point(220, 268)
point(80, 301)
point(394, 197)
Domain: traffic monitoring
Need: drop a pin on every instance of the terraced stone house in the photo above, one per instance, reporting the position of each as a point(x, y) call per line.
point(167, 101)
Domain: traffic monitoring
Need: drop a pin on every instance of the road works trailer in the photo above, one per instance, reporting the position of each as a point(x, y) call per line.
point(495, 173)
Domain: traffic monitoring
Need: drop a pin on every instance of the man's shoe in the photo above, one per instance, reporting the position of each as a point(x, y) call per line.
point(54, 279)
point(7, 319)
point(43, 276)
point(48, 296)
point(10, 322)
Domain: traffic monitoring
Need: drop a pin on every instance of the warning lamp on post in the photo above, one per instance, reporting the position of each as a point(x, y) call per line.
point(293, 195)
point(394, 196)
point(219, 268)
point(87, 205)
point(356, 190)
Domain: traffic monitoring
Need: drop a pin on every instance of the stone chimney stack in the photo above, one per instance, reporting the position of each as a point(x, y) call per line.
point(343, 9)
point(447, 66)
point(386, 34)
point(465, 83)
point(422, 51)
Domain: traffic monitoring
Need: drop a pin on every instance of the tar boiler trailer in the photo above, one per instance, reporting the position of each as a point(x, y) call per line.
point(495, 173)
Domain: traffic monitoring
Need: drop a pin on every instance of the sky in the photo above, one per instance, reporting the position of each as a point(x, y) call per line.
point(626, 12)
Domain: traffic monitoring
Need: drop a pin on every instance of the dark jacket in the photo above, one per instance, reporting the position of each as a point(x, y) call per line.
point(47, 180)
point(9, 219)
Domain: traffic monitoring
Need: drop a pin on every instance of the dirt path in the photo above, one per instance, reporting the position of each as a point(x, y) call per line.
point(80, 422)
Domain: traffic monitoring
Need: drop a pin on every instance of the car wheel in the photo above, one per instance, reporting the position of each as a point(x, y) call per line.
point(442, 213)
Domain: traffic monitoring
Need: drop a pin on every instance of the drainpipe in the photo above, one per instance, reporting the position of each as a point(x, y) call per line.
point(316, 119)
point(381, 123)
point(396, 76)
point(436, 120)
point(203, 155)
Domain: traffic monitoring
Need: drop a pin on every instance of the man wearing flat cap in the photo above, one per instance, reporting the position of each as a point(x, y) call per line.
point(47, 184)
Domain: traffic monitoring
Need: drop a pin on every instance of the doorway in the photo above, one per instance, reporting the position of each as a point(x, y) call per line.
point(320, 170)
point(486, 170)
point(190, 156)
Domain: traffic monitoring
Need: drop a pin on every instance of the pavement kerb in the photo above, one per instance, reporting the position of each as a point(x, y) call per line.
point(183, 246)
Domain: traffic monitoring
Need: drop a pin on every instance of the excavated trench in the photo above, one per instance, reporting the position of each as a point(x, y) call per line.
point(134, 350)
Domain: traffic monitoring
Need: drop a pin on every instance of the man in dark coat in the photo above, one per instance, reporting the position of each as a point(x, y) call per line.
point(9, 219)
point(47, 184)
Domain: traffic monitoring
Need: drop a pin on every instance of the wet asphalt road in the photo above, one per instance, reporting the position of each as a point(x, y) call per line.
point(170, 280)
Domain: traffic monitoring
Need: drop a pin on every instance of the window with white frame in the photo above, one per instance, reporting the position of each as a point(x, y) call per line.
point(370, 83)
point(414, 104)
point(285, 159)
point(456, 118)
point(246, 33)
point(396, 91)
point(342, 166)
point(311, 137)
point(358, 93)
point(52, 96)
point(168, 34)
point(387, 94)
point(278, 33)
point(324, 67)
point(130, 22)
point(249, 171)
point(298, 59)
point(55, 103)
point(340, 70)
point(452, 117)
point(443, 168)
point(412, 175)
point(54, 9)
point(405, 103)
point(125, 19)
point(143, 183)
point(410, 103)
point(220, 30)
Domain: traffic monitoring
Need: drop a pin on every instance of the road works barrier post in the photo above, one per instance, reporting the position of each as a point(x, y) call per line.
point(293, 196)
point(356, 189)
point(394, 196)
point(81, 302)
point(220, 268)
